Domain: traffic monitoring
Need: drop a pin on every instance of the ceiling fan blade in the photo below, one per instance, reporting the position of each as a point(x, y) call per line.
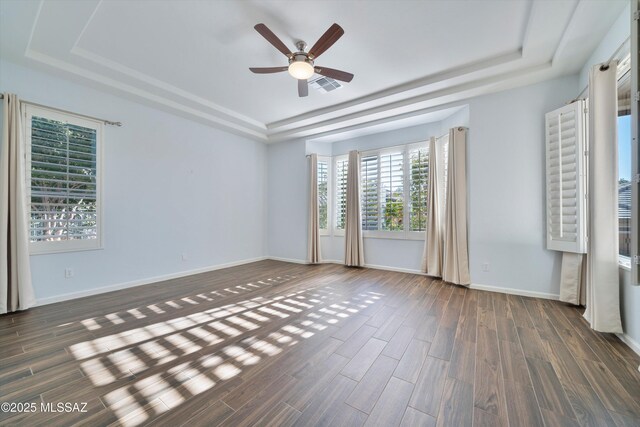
point(343, 76)
point(272, 38)
point(327, 40)
point(268, 70)
point(303, 88)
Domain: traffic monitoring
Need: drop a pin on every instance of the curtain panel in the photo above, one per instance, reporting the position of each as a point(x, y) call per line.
point(602, 275)
point(313, 250)
point(353, 254)
point(16, 292)
point(432, 259)
point(455, 260)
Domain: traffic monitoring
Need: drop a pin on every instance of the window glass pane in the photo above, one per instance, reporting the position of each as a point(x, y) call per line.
point(624, 159)
point(63, 181)
point(624, 184)
point(418, 179)
point(369, 192)
point(323, 169)
point(341, 192)
point(391, 192)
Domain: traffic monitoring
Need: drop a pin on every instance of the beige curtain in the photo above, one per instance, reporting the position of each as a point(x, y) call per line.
point(433, 245)
point(455, 262)
point(353, 253)
point(602, 280)
point(313, 250)
point(16, 292)
point(572, 277)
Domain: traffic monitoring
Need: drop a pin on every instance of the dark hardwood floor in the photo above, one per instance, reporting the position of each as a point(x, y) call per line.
point(279, 344)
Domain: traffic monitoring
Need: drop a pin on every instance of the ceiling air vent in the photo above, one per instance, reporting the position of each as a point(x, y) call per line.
point(324, 84)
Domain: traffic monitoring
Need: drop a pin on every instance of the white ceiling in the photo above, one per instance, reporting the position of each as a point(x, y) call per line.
point(408, 57)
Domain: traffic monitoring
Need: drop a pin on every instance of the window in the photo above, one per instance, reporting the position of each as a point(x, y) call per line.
point(565, 134)
point(392, 191)
point(323, 194)
point(419, 175)
point(342, 164)
point(369, 192)
point(624, 160)
point(63, 179)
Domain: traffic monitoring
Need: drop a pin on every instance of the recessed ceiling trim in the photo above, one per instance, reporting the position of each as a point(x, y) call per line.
point(567, 28)
point(65, 66)
point(151, 81)
point(456, 106)
point(417, 100)
point(527, 28)
point(416, 84)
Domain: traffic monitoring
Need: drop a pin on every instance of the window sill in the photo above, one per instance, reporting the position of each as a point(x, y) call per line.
point(393, 236)
point(624, 262)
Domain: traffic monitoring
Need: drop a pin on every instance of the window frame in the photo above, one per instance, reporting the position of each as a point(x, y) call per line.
point(405, 233)
point(329, 161)
point(624, 69)
point(49, 247)
point(335, 231)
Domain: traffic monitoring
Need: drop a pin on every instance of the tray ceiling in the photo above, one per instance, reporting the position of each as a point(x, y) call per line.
point(192, 57)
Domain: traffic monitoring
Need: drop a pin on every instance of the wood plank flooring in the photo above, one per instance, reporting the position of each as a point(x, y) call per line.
point(278, 344)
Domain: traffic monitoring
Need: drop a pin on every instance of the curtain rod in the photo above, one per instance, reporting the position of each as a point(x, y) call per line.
point(604, 66)
point(106, 122)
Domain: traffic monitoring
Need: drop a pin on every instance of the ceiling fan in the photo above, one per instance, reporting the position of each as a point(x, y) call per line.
point(301, 64)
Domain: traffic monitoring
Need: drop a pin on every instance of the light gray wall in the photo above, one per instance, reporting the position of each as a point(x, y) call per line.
point(288, 200)
point(506, 191)
point(171, 187)
point(507, 187)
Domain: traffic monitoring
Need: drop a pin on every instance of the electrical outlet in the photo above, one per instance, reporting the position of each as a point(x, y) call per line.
point(68, 273)
point(184, 257)
point(485, 267)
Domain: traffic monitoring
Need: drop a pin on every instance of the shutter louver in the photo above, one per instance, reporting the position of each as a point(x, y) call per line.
point(63, 181)
point(323, 181)
point(369, 192)
point(341, 191)
point(419, 175)
point(392, 191)
point(565, 134)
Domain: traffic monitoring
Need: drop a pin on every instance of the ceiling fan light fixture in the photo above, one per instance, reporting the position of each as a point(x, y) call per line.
point(301, 70)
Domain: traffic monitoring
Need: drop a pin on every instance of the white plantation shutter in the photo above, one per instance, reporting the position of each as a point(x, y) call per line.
point(369, 192)
point(392, 191)
point(63, 180)
point(342, 165)
point(565, 134)
point(323, 192)
point(418, 183)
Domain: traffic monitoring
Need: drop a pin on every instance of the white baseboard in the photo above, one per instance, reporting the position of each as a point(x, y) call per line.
point(140, 282)
point(396, 269)
point(292, 260)
point(633, 344)
point(339, 262)
point(513, 291)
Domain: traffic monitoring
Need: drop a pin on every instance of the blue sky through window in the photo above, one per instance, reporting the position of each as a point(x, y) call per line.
point(624, 147)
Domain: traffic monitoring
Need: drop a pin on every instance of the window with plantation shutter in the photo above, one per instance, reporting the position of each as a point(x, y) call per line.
point(341, 166)
point(63, 180)
point(369, 192)
point(392, 191)
point(418, 179)
point(323, 193)
point(565, 134)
